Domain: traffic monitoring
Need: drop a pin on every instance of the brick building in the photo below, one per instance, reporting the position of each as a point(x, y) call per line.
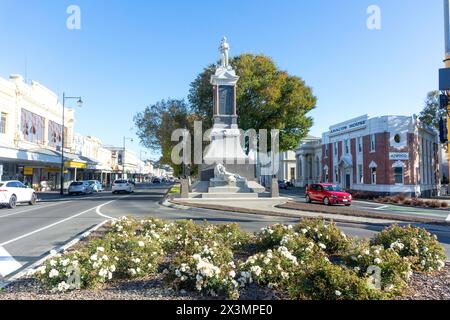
point(383, 155)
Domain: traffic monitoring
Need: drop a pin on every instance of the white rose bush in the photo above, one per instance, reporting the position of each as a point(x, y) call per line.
point(310, 260)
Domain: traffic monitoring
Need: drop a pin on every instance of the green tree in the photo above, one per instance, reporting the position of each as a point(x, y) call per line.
point(267, 98)
point(156, 124)
point(431, 112)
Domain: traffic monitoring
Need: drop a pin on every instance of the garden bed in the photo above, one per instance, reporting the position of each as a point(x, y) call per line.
point(157, 260)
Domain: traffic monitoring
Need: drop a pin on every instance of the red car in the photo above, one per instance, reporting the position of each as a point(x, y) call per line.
point(328, 194)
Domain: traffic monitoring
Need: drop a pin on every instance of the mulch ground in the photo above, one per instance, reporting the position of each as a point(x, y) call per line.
point(422, 287)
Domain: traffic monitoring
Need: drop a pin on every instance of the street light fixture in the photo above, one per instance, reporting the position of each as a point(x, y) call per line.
point(80, 104)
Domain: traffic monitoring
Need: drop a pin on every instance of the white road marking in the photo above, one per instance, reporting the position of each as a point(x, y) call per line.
point(381, 208)
point(97, 210)
point(7, 263)
point(50, 226)
point(32, 209)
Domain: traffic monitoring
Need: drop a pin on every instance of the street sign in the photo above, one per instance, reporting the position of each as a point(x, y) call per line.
point(444, 79)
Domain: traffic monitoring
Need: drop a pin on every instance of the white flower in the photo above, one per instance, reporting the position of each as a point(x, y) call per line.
point(63, 287)
point(141, 244)
point(103, 273)
point(232, 274)
point(256, 270)
point(338, 293)
point(53, 253)
point(65, 262)
point(94, 257)
point(377, 261)
point(304, 231)
point(322, 246)
point(112, 268)
point(53, 263)
point(101, 249)
point(53, 273)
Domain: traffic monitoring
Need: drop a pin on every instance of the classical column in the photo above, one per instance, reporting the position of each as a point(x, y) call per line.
point(216, 100)
point(235, 101)
point(303, 178)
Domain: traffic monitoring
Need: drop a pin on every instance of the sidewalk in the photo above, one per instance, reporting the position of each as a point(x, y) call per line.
point(272, 207)
point(268, 207)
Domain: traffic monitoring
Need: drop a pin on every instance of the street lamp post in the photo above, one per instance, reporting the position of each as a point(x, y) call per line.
point(79, 103)
point(123, 155)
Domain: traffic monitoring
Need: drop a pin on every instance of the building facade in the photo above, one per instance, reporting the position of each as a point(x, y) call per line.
point(382, 155)
point(31, 132)
point(309, 161)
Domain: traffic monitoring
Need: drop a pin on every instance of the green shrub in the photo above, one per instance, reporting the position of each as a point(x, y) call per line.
point(326, 281)
point(76, 270)
point(211, 271)
point(387, 270)
point(273, 268)
point(326, 235)
point(270, 237)
point(416, 244)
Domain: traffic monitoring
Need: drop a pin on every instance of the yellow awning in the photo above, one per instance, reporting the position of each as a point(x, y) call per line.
point(74, 164)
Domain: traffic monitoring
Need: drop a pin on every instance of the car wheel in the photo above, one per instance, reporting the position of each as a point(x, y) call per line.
point(348, 205)
point(326, 202)
point(12, 202)
point(308, 199)
point(33, 200)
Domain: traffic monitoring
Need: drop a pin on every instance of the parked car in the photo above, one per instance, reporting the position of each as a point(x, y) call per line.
point(156, 181)
point(282, 185)
point(119, 186)
point(14, 192)
point(328, 194)
point(96, 185)
point(80, 187)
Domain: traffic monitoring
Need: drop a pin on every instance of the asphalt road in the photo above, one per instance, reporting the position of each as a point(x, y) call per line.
point(438, 214)
point(29, 233)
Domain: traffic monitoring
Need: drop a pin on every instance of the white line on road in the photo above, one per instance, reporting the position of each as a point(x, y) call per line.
point(32, 209)
point(49, 226)
point(7, 263)
point(97, 210)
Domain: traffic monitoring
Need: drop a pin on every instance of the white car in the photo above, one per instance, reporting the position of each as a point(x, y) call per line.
point(123, 186)
point(14, 192)
point(96, 185)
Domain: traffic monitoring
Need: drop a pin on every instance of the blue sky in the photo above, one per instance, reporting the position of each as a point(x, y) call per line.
point(129, 54)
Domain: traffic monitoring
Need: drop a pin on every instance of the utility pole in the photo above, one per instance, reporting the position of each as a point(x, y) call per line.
point(444, 76)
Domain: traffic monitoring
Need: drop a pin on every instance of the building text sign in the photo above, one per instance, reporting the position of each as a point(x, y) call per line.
point(359, 124)
point(399, 156)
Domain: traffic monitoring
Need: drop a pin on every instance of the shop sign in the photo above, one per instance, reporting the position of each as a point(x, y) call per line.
point(27, 171)
point(396, 156)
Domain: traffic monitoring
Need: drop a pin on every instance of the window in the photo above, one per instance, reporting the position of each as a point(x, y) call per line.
point(32, 127)
point(326, 175)
point(54, 134)
point(326, 151)
point(397, 138)
point(336, 174)
point(360, 174)
point(292, 173)
point(373, 143)
point(398, 175)
point(360, 145)
point(3, 123)
point(347, 147)
point(374, 175)
point(335, 148)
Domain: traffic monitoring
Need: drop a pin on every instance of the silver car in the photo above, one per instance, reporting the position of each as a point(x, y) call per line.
point(96, 185)
point(80, 187)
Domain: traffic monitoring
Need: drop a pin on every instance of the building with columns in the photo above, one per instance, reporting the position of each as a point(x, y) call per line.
point(309, 161)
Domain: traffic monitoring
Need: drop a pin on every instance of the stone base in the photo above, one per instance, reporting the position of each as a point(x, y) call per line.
point(229, 195)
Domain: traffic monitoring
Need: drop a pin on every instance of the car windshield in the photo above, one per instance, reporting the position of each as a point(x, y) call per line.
point(76, 184)
point(121, 181)
point(333, 188)
point(1, 184)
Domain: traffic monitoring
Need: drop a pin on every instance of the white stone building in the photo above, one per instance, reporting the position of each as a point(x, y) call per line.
point(30, 133)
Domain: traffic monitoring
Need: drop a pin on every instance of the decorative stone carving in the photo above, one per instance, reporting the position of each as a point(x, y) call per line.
point(220, 173)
